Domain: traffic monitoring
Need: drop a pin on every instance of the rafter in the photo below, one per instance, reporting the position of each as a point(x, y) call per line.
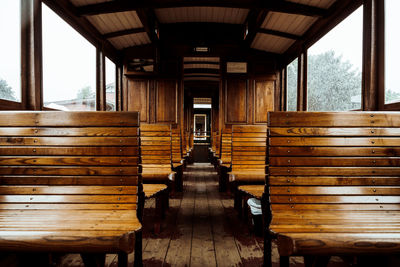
point(126, 5)
point(280, 34)
point(123, 32)
point(149, 21)
point(254, 20)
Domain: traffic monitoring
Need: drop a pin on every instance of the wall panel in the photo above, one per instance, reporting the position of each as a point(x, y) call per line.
point(138, 97)
point(167, 101)
point(263, 100)
point(236, 91)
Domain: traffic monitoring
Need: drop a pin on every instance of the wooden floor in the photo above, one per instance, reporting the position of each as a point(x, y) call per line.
point(201, 229)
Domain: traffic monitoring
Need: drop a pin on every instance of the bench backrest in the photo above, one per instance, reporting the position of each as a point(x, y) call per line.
point(226, 146)
point(249, 147)
point(69, 160)
point(334, 160)
point(176, 145)
point(155, 145)
point(214, 141)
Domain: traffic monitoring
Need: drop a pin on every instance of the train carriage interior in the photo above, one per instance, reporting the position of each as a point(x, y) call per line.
point(199, 133)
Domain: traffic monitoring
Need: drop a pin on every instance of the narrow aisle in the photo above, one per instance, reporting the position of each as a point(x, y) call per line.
point(201, 228)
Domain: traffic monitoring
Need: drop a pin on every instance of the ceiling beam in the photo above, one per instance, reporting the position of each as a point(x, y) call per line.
point(280, 34)
point(254, 20)
point(127, 5)
point(149, 21)
point(123, 32)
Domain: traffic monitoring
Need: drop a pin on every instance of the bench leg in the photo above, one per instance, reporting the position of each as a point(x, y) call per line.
point(93, 259)
point(267, 251)
point(138, 249)
point(284, 261)
point(122, 259)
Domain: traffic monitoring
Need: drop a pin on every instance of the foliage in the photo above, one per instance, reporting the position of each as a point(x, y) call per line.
point(292, 86)
point(391, 96)
point(6, 91)
point(85, 93)
point(333, 84)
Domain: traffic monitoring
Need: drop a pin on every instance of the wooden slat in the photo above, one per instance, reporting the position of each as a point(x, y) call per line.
point(69, 141)
point(326, 171)
point(334, 131)
point(335, 151)
point(334, 161)
point(68, 161)
point(334, 119)
point(69, 150)
point(68, 180)
point(67, 190)
point(59, 131)
point(64, 119)
point(51, 170)
point(334, 141)
point(333, 180)
point(335, 190)
point(84, 199)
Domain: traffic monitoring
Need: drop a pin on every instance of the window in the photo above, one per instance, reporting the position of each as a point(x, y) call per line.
point(10, 50)
point(69, 66)
point(335, 66)
point(110, 85)
point(392, 52)
point(291, 89)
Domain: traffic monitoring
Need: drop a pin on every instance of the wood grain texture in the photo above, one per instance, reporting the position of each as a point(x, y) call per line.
point(236, 91)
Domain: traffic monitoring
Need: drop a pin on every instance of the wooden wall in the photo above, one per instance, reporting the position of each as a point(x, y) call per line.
point(246, 100)
point(157, 100)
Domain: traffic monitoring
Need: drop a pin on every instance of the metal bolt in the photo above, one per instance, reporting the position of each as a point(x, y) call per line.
point(372, 131)
point(288, 190)
point(288, 170)
point(288, 161)
point(36, 131)
point(372, 115)
point(288, 151)
point(374, 190)
point(373, 151)
point(288, 181)
point(34, 150)
point(373, 142)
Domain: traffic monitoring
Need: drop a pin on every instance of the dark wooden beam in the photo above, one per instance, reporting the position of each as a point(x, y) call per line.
point(123, 32)
point(302, 82)
point(254, 20)
point(200, 71)
point(280, 34)
point(127, 5)
point(149, 21)
point(69, 13)
point(31, 54)
point(295, 8)
point(119, 87)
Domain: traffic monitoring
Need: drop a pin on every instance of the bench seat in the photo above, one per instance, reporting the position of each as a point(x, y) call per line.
point(247, 176)
point(255, 191)
point(151, 190)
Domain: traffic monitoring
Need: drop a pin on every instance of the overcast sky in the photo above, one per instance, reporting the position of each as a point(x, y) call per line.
point(69, 59)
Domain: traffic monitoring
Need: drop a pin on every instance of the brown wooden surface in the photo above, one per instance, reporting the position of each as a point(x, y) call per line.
point(334, 182)
point(248, 153)
point(166, 101)
point(263, 100)
point(236, 91)
point(138, 97)
point(57, 198)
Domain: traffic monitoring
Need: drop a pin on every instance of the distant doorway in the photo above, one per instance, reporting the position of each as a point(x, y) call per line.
point(201, 128)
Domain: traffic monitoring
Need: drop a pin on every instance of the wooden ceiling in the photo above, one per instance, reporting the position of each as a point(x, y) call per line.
point(270, 26)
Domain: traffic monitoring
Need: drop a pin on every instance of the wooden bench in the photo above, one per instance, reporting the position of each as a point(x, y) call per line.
point(177, 160)
point(70, 182)
point(333, 184)
point(158, 178)
point(225, 159)
point(248, 158)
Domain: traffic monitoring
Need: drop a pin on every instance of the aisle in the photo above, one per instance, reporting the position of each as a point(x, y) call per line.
point(201, 228)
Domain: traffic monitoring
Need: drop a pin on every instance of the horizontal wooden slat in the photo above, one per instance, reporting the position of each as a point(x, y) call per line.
point(68, 161)
point(70, 118)
point(249, 129)
point(155, 128)
point(336, 207)
point(334, 131)
point(332, 180)
point(334, 141)
point(68, 180)
point(335, 190)
point(95, 199)
point(333, 119)
point(335, 151)
point(69, 150)
point(249, 139)
point(71, 131)
point(69, 141)
point(335, 199)
point(334, 161)
point(60, 206)
point(345, 171)
point(67, 190)
point(50, 170)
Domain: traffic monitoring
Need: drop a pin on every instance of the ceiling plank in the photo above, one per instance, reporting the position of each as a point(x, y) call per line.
point(123, 32)
point(126, 5)
point(280, 34)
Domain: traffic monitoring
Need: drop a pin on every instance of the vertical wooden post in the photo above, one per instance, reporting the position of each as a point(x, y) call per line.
point(118, 87)
point(31, 54)
point(100, 81)
point(373, 62)
point(302, 82)
point(284, 89)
